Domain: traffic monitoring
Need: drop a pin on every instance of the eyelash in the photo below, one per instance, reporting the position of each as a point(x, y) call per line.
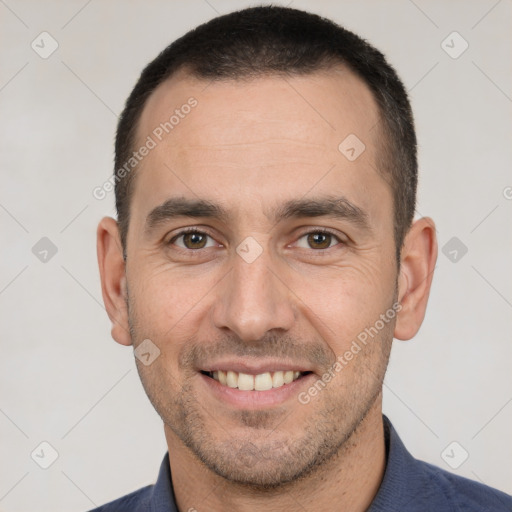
point(200, 232)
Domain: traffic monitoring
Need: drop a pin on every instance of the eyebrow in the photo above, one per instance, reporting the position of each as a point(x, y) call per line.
point(325, 206)
point(182, 207)
point(336, 207)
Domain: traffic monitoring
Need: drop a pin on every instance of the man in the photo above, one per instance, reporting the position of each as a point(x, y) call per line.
point(263, 259)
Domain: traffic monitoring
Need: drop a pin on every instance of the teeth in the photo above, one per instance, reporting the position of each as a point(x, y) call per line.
point(263, 381)
point(277, 379)
point(288, 377)
point(232, 379)
point(260, 382)
point(222, 377)
point(245, 382)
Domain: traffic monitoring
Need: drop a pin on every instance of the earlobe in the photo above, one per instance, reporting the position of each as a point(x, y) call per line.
point(113, 279)
point(418, 259)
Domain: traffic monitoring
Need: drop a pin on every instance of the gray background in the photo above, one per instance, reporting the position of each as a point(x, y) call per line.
point(62, 378)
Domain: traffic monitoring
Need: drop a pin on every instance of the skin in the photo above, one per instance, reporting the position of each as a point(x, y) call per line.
point(249, 146)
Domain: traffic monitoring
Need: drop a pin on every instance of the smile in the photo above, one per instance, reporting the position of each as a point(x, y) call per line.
point(260, 382)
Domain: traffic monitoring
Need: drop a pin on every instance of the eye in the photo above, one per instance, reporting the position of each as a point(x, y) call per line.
point(318, 240)
point(192, 239)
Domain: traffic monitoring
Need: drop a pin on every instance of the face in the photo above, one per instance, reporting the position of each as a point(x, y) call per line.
point(257, 250)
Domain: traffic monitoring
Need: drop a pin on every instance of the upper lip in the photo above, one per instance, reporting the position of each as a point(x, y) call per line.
point(255, 367)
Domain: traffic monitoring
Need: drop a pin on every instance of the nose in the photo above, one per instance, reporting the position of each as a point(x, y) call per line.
point(253, 300)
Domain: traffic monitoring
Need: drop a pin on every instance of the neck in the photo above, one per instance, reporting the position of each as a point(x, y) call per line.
point(348, 481)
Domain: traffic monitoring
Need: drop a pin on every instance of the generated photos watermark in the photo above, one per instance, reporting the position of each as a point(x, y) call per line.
point(365, 336)
point(151, 142)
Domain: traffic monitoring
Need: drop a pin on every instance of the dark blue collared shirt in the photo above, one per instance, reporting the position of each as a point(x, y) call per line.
point(409, 485)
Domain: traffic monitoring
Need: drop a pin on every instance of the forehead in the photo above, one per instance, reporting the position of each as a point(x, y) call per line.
point(312, 107)
point(264, 139)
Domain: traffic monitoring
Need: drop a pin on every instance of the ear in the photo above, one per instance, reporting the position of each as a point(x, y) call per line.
point(418, 260)
point(113, 279)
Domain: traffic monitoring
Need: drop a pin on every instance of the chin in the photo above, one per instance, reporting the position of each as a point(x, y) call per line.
point(259, 476)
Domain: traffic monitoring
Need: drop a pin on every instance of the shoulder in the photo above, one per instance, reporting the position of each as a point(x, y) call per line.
point(159, 496)
point(417, 486)
point(137, 501)
point(464, 494)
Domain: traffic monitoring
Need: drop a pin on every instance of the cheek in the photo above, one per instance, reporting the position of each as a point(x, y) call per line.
point(165, 304)
point(341, 302)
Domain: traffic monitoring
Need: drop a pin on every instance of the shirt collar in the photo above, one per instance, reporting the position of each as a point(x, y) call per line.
point(399, 464)
point(162, 496)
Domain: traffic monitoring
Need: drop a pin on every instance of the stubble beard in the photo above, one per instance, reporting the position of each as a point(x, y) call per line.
point(264, 457)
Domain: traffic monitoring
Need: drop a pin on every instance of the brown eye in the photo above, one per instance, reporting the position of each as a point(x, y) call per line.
point(193, 240)
point(319, 240)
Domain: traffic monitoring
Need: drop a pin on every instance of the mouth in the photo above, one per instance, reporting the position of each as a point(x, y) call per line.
point(260, 382)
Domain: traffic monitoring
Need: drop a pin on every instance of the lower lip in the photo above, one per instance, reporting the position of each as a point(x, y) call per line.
point(256, 399)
